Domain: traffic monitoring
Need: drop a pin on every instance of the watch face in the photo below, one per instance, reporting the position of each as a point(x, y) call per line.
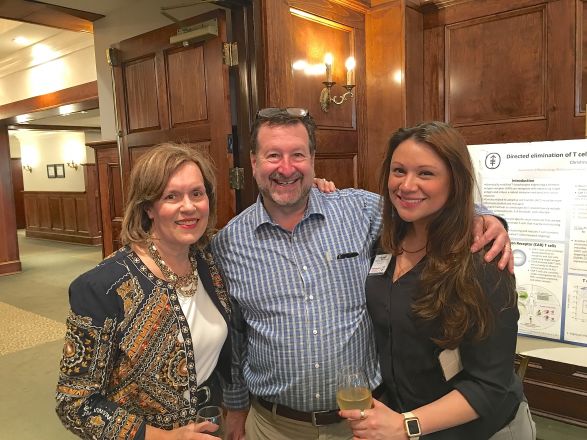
point(413, 427)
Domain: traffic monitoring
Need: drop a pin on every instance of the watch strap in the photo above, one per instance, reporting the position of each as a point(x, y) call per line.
point(409, 418)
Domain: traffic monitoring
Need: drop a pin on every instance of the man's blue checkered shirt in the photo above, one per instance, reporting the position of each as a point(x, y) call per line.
point(302, 311)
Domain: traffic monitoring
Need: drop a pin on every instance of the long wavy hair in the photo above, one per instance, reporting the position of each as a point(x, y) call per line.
point(451, 294)
point(148, 180)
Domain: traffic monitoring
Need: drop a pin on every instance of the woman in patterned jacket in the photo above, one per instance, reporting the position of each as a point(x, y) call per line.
point(147, 342)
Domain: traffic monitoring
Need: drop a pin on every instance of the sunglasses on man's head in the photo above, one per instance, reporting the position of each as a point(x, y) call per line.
point(294, 112)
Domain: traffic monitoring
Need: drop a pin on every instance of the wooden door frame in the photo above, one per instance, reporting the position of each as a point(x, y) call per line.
point(245, 20)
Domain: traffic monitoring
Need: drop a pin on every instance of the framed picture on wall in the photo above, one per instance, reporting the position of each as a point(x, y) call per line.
point(60, 170)
point(51, 171)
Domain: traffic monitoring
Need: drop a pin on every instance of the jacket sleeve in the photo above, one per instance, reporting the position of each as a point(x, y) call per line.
point(89, 355)
point(235, 394)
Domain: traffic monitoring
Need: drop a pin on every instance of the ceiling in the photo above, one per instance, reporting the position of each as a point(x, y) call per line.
point(15, 57)
point(44, 43)
point(102, 7)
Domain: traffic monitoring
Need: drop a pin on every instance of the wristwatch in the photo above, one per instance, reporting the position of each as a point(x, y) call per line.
point(412, 425)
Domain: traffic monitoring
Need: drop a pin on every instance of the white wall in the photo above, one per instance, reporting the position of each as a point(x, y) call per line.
point(40, 148)
point(130, 21)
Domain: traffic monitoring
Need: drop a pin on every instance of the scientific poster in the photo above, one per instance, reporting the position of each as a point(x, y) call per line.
point(540, 188)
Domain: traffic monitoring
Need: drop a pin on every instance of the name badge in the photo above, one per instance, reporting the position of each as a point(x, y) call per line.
point(450, 362)
point(380, 264)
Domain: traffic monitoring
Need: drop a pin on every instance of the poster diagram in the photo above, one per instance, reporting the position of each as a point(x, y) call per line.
point(539, 189)
point(539, 309)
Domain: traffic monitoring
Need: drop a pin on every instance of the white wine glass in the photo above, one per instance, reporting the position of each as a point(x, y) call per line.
point(212, 414)
point(353, 390)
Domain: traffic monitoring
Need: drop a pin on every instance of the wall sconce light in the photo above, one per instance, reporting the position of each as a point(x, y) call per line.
point(27, 167)
point(326, 97)
point(72, 164)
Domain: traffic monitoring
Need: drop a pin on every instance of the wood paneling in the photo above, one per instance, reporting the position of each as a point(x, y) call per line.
point(48, 15)
point(140, 82)
point(581, 58)
point(71, 95)
point(187, 91)
point(17, 189)
point(504, 71)
point(316, 36)
point(557, 390)
point(321, 27)
point(109, 189)
point(9, 258)
point(496, 68)
point(61, 216)
point(386, 95)
point(340, 164)
point(167, 92)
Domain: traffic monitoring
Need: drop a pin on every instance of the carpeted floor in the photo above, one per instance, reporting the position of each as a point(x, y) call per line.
point(33, 308)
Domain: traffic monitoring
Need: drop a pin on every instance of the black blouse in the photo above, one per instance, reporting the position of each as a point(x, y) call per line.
point(409, 359)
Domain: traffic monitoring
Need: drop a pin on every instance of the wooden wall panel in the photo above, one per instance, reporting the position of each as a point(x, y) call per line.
point(505, 71)
point(58, 216)
point(70, 214)
point(56, 213)
point(117, 203)
point(32, 213)
point(308, 32)
point(581, 58)
point(343, 165)
point(17, 189)
point(110, 193)
point(82, 212)
point(496, 68)
point(557, 390)
point(42, 204)
point(187, 85)
point(316, 36)
point(386, 95)
point(142, 106)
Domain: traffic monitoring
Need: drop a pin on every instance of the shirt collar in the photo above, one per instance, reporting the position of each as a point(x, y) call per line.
point(315, 208)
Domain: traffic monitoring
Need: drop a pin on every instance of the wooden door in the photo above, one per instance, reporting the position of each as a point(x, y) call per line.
point(18, 188)
point(171, 92)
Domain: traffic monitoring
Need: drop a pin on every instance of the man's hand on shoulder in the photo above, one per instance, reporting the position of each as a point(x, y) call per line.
point(487, 228)
point(323, 185)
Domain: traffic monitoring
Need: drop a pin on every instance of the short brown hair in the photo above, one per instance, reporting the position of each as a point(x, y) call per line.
point(284, 119)
point(148, 180)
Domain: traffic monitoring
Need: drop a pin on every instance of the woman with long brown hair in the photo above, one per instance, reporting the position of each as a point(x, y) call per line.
point(445, 320)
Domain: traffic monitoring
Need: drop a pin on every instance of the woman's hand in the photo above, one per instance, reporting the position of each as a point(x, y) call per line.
point(379, 423)
point(191, 431)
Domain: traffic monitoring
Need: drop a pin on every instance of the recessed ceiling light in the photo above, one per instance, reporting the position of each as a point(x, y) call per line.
point(23, 119)
point(23, 41)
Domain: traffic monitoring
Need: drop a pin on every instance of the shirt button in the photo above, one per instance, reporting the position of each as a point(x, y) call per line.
point(315, 332)
point(316, 365)
point(317, 395)
point(311, 296)
point(305, 267)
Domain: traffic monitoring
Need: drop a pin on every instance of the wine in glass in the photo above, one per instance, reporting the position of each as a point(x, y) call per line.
point(353, 390)
point(212, 414)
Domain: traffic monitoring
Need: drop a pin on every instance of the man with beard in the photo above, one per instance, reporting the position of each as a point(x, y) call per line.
point(295, 264)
